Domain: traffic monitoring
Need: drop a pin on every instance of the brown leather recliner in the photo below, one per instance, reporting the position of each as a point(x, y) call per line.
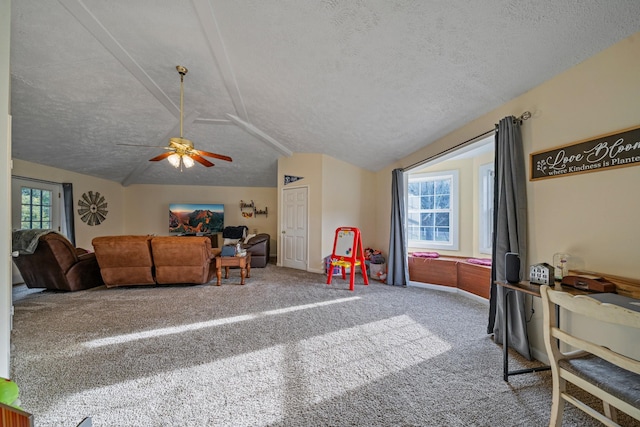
point(258, 246)
point(57, 265)
point(183, 259)
point(125, 260)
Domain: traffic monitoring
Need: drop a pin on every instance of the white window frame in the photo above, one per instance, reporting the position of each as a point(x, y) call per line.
point(486, 182)
point(453, 243)
point(16, 203)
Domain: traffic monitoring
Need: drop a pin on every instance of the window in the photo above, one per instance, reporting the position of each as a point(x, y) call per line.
point(35, 204)
point(432, 210)
point(486, 180)
point(36, 208)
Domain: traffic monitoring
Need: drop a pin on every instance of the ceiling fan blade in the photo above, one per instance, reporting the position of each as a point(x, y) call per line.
point(214, 155)
point(201, 160)
point(161, 157)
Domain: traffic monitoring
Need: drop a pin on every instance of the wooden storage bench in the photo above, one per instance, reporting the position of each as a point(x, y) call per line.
point(453, 272)
point(437, 271)
point(474, 278)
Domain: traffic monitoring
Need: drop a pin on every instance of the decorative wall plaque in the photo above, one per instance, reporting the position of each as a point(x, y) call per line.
point(93, 208)
point(608, 151)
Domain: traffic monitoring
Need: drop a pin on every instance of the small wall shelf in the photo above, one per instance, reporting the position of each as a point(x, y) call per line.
point(264, 212)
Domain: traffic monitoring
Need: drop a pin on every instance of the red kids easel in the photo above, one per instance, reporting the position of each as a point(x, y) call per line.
point(347, 252)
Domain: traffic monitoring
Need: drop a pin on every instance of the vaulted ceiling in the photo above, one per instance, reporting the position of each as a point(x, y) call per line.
point(366, 81)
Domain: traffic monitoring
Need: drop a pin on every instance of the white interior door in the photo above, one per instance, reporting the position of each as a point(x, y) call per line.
point(295, 228)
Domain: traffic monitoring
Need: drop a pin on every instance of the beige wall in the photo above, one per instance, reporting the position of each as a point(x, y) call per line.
point(348, 201)
point(591, 216)
point(340, 194)
point(112, 191)
point(146, 207)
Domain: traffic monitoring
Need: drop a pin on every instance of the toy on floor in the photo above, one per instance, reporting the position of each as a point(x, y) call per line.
point(9, 393)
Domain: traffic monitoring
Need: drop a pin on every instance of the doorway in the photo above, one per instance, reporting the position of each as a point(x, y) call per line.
point(295, 231)
point(34, 204)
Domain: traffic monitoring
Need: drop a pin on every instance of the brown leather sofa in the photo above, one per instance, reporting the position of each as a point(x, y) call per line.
point(149, 260)
point(124, 260)
point(183, 259)
point(57, 265)
point(258, 246)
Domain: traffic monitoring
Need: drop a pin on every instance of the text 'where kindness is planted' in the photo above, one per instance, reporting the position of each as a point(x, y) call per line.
point(607, 151)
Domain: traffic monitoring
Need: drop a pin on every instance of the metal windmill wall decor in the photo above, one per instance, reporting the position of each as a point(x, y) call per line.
point(92, 208)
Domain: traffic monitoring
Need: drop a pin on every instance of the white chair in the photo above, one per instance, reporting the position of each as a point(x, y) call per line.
point(608, 375)
point(87, 422)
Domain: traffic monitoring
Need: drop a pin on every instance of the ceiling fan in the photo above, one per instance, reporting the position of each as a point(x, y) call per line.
point(180, 150)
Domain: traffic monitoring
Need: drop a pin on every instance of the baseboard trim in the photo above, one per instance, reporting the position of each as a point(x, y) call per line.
point(448, 289)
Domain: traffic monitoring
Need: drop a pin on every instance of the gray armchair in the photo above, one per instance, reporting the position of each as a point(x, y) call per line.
point(258, 246)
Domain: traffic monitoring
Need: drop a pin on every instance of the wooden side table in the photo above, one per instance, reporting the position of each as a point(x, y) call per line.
point(244, 262)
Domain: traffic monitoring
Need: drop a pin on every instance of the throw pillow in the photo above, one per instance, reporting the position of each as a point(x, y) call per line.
point(249, 237)
point(230, 241)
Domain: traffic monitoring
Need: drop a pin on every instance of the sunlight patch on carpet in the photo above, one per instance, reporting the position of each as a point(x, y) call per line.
point(353, 357)
point(119, 339)
point(255, 385)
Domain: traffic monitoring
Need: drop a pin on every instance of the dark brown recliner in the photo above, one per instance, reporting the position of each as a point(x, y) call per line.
point(258, 246)
point(56, 264)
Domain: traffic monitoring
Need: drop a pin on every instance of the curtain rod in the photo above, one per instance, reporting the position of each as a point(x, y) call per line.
point(42, 181)
point(524, 116)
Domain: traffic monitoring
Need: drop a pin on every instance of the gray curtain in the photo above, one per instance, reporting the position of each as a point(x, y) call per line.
point(510, 232)
point(67, 199)
point(397, 264)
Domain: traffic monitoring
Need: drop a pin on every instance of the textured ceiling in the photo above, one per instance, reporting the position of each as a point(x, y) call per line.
point(368, 82)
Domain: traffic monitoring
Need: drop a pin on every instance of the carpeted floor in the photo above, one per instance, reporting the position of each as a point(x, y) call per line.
point(283, 350)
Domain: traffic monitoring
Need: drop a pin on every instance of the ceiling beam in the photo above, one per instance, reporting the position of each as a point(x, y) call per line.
point(218, 51)
point(213, 121)
point(261, 135)
point(104, 37)
point(164, 142)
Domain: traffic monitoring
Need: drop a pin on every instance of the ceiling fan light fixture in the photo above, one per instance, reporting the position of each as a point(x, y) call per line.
point(174, 159)
point(180, 149)
point(188, 161)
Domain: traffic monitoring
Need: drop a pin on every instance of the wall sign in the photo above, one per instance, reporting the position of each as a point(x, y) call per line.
point(608, 151)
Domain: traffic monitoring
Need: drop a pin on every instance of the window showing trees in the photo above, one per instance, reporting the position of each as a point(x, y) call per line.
point(432, 210)
point(36, 208)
